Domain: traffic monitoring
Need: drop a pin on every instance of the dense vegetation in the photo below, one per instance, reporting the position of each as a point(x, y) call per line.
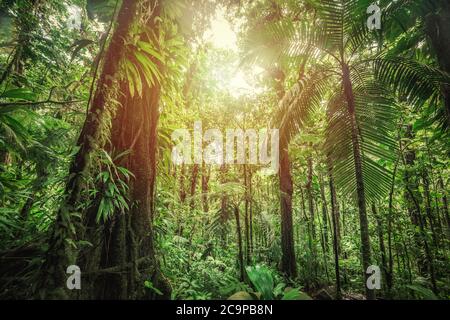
point(92, 90)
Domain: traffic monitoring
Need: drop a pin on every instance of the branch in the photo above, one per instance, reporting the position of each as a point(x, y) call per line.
point(36, 103)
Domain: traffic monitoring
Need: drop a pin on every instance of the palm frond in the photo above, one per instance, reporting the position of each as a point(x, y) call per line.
point(299, 102)
point(412, 81)
point(376, 115)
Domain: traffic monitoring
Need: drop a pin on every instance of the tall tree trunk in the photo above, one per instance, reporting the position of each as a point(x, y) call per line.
point(324, 213)
point(428, 207)
point(335, 221)
point(305, 216)
point(390, 274)
point(250, 218)
point(379, 222)
point(127, 244)
point(205, 181)
point(239, 240)
point(288, 264)
point(223, 205)
point(194, 179)
point(361, 197)
point(322, 243)
point(247, 218)
point(182, 183)
point(311, 219)
point(52, 276)
point(309, 193)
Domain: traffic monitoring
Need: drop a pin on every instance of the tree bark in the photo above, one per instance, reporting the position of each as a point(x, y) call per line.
point(135, 129)
point(194, 177)
point(324, 214)
point(288, 264)
point(182, 184)
point(309, 193)
point(361, 197)
point(250, 218)
point(223, 205)
point(246, 221)
point(335, 221)
point(205, 181)
point(428, 207)
point(52, 276)
point(379, 222)
point(239, 240)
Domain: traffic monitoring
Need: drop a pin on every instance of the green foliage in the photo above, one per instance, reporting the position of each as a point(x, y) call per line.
point(287, 72)
point(114, 182)
point(149, 285)
point(422, 292)
point(261, 278)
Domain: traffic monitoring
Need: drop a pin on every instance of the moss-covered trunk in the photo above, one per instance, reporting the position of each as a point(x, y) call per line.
point(52, 277)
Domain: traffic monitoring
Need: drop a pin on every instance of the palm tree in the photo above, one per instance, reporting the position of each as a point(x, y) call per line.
point(424, 26)
point(361, 111)
point(262, 48)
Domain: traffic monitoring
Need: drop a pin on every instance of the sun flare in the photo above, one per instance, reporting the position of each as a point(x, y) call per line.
point(237, 82)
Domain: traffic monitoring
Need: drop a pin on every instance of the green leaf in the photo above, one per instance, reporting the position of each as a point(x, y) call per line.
point(295, 294)
point(147, 47)
point(149, 285)
point(423, 292)
point(20, 94)
point(261, 278)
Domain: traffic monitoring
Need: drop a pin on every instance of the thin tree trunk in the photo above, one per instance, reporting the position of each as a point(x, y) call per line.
point(310, 199)
point(381, 242)
point(288, 264)
point(223, 205)
point(205, 181)
point(251, 211)
point(334, 219)
point(182, 184)
point(322, 243)
point(239, 239)
point(324, 213)
point(194, 179)
point(428, 207)
point(364, 224)
point(305, 216)
point(246, 221)
point(390, 274)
